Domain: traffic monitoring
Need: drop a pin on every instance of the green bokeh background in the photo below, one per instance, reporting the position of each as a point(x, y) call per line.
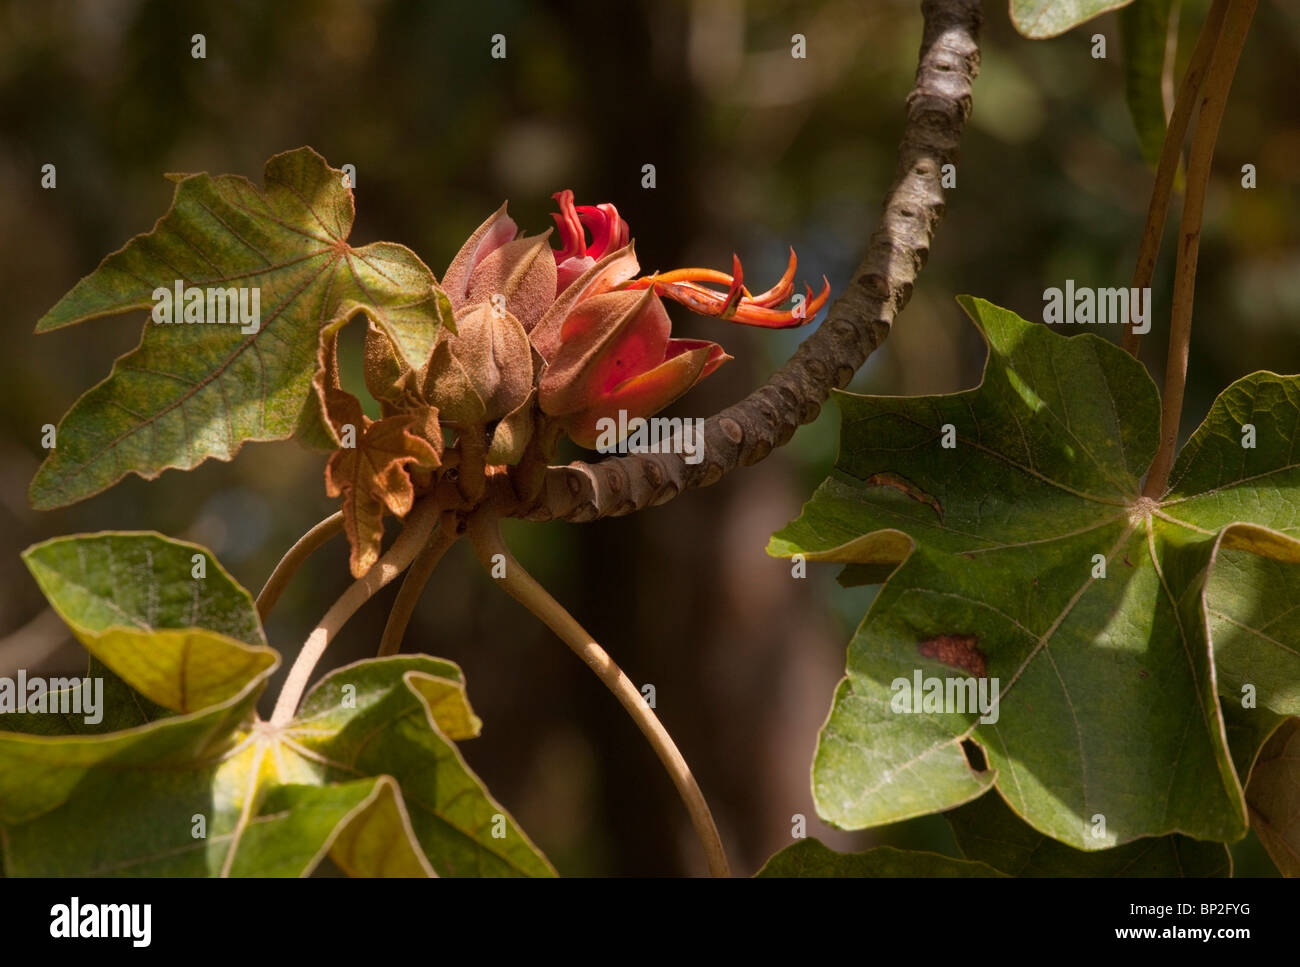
point(754, 151)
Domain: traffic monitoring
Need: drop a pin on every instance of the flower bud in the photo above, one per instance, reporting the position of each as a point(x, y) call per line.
point(493, 263)
point(484, 371)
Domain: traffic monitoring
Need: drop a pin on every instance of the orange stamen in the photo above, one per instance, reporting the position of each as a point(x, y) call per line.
point(782, 290)
point(737, 304)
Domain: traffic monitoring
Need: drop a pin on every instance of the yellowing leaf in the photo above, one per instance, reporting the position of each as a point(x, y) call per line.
point(163, 614)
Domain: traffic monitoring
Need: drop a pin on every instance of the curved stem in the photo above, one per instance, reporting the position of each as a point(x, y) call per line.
point(415, 533)
point(1158, 211)
point(1214, 98)
point(307, 545)
point(417, 576)
point(485, 535)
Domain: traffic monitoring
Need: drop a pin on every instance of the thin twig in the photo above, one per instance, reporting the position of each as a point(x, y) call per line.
point(417, 576)
point(308, 544)
point(1214, 98)
point(485, 535)
point(1158, 211)
point(415, 534)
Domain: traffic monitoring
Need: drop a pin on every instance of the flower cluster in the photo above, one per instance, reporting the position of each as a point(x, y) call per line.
point(542, 339)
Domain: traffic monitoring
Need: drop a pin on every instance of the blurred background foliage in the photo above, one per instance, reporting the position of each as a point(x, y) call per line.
point(754, 151)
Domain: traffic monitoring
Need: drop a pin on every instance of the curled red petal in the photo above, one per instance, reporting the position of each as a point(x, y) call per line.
point(573, 238)
point(608, 230)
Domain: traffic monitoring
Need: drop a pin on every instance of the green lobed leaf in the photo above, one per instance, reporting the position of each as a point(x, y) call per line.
point(403, 716)
point(132, 599)
point(105, 780)
point(193, 796)
point(1217, 481)
point(1107, 688)
point(190, 392)
point(989, 831)
point(362, 825)
point(1144, 31)
point(809, 857)
point(1038, 19)
point(368, 776)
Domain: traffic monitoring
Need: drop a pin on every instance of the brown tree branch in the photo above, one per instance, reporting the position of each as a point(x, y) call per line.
point(1213, 101)
point(1189, 95)
point(857, 323)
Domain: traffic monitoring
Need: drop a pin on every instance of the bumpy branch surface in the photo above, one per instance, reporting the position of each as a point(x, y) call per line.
point(857, 323)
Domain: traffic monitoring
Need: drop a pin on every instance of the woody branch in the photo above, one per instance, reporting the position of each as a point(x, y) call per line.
point(856, 324)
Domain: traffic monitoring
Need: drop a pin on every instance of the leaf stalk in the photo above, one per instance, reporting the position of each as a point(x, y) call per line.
point(417, 576)
point(1170, 155)
point(1213, 101)
point(293, 559)
point(485, 535)
point(419, 525)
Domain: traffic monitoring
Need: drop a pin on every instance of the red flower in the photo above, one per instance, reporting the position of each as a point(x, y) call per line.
point(608, 233)
point(615, 354)
point(603, 333)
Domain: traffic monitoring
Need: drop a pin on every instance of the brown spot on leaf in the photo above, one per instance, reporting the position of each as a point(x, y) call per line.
point(887, 479)
point(1142, 673)
point(959, 651)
